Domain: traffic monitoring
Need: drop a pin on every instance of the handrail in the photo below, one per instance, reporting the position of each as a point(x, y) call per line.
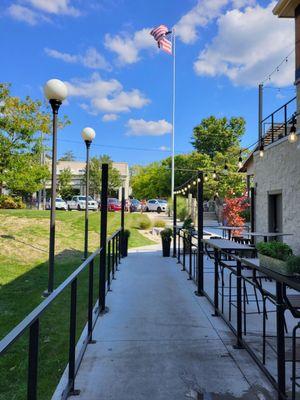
point(278, 109)
point(18, 330)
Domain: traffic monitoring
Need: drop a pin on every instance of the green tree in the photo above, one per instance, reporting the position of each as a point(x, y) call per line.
point(64, 182)
point(22, 124)
point(217, 135)
point(114, 177)
point(68, 156)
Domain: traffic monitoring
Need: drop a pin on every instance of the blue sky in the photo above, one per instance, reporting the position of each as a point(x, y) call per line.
point(120, 83)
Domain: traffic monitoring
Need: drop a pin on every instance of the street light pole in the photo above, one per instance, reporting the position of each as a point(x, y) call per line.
point(88, 134)
point(55, 91)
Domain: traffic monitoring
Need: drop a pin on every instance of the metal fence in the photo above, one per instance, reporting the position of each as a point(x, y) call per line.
point(260, 307)
point(94, 308)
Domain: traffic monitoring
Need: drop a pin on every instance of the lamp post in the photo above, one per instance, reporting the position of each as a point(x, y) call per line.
point(55, 91)
point(88, 134)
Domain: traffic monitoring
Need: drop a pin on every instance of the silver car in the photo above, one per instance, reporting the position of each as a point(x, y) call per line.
point(157, 205)
point(78, 203)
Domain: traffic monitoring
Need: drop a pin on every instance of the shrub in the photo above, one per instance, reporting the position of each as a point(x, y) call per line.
point(144, 223)
point(11, 202)
point(274, 249)
point(188, 223)
point(182, 209)
point(126, 233)
point(159, 223)
point(166, 234)
point(293, 264)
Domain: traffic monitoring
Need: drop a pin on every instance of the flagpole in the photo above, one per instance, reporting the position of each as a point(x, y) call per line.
point(173, 114)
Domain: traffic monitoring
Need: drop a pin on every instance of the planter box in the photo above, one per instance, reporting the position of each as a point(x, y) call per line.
point(274, 264)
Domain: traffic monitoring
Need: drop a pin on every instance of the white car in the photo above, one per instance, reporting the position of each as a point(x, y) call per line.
point(156, 205)
point(78, 203)
point(60, 204)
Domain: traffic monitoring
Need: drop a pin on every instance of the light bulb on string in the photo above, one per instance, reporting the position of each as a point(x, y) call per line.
point(240, 163)
point(293, 137)
point(194, 183)
point(214, 175)
point(198, 180)
point(225, 170)
point(261, 150)
point(205, 177)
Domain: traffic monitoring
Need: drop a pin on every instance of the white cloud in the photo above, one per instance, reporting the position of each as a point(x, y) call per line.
point(91, 59)
point(35, 11)
point(24, 14)
point(200, 15)
point(140, 127)
point(106, 95)
point(248, 45)
point(109, 117)
point(55, 7)
point(128, 47)
point(164, 148)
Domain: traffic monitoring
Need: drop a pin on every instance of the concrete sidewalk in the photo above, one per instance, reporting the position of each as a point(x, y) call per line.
point(159, 341)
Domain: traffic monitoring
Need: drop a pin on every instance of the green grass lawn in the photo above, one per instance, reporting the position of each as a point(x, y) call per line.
point(24, 236)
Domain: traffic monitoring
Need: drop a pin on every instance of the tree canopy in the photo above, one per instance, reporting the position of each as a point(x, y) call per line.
point(23, 123)
point(114, 177)
point(65, 183)
point(217, 135)
point(68, 156)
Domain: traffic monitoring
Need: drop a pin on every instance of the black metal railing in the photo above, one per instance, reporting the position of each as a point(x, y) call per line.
point(32, 321)
point(254, 303)
point(276, 125)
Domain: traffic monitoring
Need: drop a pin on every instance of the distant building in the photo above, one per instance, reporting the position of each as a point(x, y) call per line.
point(78, 170)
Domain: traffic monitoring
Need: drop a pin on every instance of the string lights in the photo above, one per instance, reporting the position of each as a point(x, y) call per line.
point(293, 137)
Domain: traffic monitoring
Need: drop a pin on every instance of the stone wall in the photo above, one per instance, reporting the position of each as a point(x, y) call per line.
point(279, 170)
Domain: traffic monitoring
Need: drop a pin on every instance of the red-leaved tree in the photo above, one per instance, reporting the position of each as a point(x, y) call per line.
point(233, 207)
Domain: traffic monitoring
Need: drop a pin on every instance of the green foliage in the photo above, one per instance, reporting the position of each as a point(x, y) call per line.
point(68, 156)
point(188, 223)
point(154, 180)
point(9, 202)
point(159, 223)
point(182, 208)
point(278, 250)
point(126, 233)
point(166, 234)
point(143, 223)
point(293, 265)
point(114, 177)
point(217, 135)
point(64, 182)
point(22, 126)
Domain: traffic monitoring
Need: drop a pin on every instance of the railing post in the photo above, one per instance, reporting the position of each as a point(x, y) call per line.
point(120, 236)
point(184, 249)
point(239, 333)
point(90, 301)
point(272, 121)
point(103, 236)
point(113, 255)
point(174, 223)
point(33, 361)
point(200, 265)
point(190, 256)
point(178, 248)
point(108, 266)
point(122, 221)
point(72, 338)
point(216, 282)
point(116, 250)
point(285, 120)
point(280, 308)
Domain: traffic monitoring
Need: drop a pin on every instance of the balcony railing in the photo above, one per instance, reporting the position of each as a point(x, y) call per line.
point(277, 124)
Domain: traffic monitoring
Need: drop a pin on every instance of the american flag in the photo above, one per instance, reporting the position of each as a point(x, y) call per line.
point(159, 35)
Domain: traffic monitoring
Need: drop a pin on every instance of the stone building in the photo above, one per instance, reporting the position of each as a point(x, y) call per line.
point(78, 170)
point(273, 168)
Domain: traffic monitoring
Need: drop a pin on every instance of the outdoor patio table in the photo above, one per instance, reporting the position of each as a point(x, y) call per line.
point(229, 229)
point(282, 302)
point(226, 246)
point(267, 235)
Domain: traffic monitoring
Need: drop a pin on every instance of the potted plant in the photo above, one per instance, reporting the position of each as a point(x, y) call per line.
point(275, 255)
point(166, 236)
point(124, 246)
point(293, 265)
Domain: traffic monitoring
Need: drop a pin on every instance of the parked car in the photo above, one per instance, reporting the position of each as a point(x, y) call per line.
point(60, 204)
point(78, 203)
point(113, 204)
point(135, 205)
point(156, 205)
